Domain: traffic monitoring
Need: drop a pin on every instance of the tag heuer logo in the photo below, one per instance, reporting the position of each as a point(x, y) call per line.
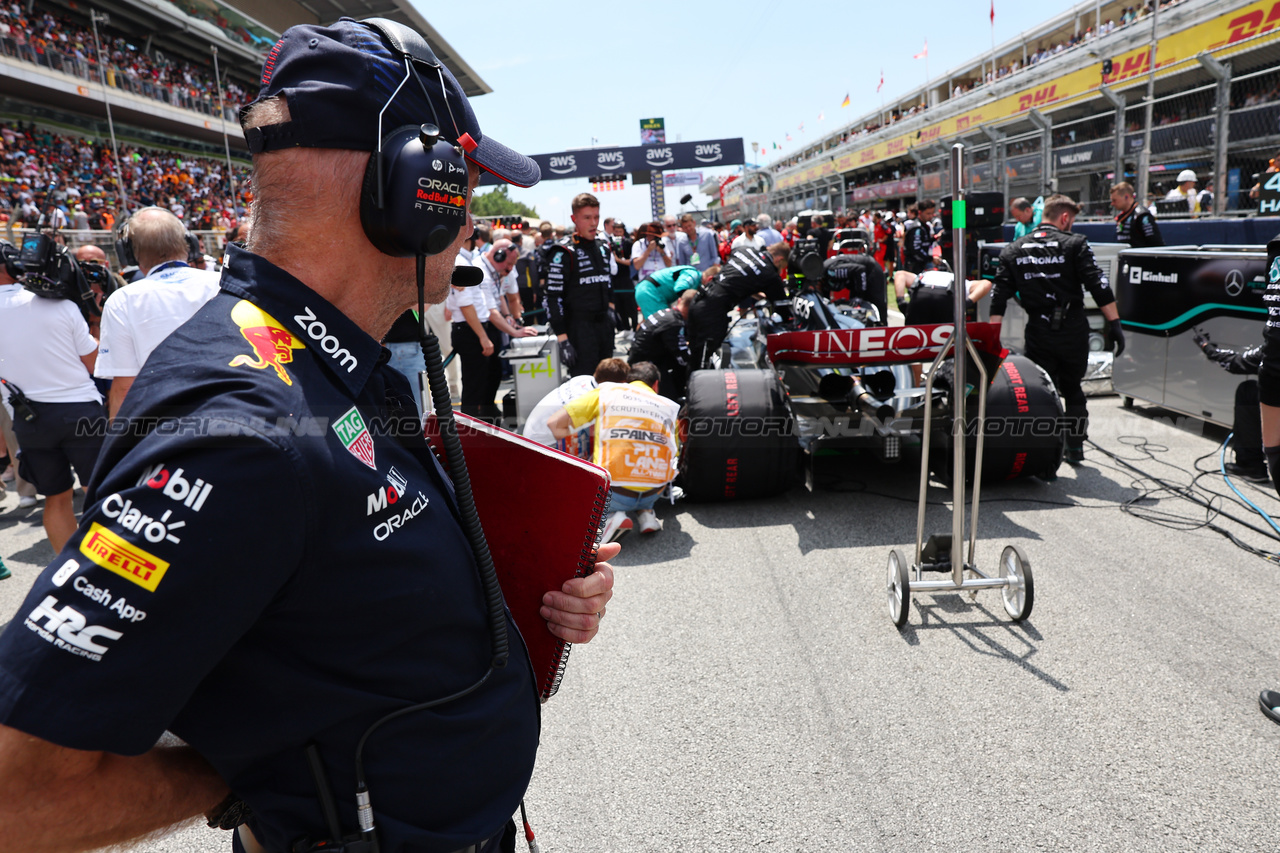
point(354, 435)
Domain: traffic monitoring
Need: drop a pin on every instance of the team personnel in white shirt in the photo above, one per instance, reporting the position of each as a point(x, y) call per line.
point(498, 264)
point(46, 351)
point(608, 370)
point(749, 237)
point(135, 319)
point(476, 322)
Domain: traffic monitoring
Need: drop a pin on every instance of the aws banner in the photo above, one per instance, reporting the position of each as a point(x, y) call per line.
point(639, 158)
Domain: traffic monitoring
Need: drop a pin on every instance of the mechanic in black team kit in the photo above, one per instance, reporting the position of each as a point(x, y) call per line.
point(747, 272)
point(1269, 394)
point(1046, 269)
point(580, 271)
point(917, 238)
point(1135, 224)
point(856, 273)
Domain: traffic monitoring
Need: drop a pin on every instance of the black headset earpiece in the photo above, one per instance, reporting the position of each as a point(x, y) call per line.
point(499, 255)
point(124, 246)
point(9, 254)
point(414, 199)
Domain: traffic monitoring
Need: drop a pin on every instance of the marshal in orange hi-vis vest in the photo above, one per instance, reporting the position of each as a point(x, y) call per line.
point(636, 436)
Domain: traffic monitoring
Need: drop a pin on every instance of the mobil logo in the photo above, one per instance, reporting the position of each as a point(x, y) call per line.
point(563, 164)
point(659, 156)
point(611, 161)
point(708, 152)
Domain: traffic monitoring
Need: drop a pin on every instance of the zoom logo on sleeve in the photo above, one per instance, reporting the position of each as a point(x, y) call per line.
point(69, 630)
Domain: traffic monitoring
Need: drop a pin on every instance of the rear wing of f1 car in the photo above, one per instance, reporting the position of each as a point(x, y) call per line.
point(879, 345)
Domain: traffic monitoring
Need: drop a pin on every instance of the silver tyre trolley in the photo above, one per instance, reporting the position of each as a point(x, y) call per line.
point(1013, 574)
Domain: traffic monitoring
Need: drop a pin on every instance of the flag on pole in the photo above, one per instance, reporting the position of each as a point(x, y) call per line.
point(821, 116)
point(924, 54)
point(881, 86)
point(775, 146)
point(788, 137)
point(993, 13)
point(845, 102)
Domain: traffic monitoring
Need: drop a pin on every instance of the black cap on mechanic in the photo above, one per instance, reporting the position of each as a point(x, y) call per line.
point(339, 80)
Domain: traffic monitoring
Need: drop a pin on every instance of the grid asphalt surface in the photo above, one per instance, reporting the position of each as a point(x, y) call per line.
point(748, 690)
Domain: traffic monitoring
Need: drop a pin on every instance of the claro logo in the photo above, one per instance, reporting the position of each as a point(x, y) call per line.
point(709, 153)
point(563, 165)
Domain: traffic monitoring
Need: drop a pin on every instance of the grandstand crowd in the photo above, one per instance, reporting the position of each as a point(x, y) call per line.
point(1034, 56)
point(52, 39)
point(85, 189)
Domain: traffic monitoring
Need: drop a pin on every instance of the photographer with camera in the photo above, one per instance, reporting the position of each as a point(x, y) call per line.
point(102, 281)
point(46, 364)
point(137, 318)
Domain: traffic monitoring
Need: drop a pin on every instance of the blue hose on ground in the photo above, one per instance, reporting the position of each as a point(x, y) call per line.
point(1222, 467)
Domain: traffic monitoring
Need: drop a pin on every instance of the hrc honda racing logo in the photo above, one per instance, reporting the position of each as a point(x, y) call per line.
point(69, 630)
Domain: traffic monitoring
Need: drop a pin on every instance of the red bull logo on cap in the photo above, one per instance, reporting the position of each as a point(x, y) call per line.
point(273, 346)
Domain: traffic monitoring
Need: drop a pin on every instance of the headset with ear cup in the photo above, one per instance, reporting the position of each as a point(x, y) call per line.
point(499, 255)
point(124, 246)
point(9, 254)
point(414, 197)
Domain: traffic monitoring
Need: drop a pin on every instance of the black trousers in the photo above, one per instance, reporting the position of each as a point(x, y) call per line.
point(624, 302)
point(591, 334)
point(707, 326)
point(1064, 355)
point(481, 374)
point(1247, 440)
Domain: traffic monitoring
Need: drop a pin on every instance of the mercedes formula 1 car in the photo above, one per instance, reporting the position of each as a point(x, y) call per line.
point(800, 380)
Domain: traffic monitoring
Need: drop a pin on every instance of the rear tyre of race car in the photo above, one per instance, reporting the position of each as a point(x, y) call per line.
point(1024, 435)
point(738, 436)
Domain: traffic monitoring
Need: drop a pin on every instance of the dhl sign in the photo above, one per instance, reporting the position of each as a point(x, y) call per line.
point(1174, 51)
point(1039, 98)
point(1250, 23)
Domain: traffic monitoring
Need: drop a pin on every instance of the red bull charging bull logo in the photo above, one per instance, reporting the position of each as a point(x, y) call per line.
point(272, 345)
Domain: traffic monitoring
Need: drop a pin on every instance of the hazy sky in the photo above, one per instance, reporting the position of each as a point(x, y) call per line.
point(569, 72)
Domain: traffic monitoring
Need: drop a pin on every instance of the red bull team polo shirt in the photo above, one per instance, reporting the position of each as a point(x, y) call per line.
point(270, 557)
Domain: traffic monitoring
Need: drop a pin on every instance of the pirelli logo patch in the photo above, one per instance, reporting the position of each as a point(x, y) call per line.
point(124, 558)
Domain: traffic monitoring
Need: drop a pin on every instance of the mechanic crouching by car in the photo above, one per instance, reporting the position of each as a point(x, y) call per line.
point(250, 585)
point(1046, 270)
point(662, 340)
point(854, 274)
point(929, 298)
point(635, 442)
point(748, 274)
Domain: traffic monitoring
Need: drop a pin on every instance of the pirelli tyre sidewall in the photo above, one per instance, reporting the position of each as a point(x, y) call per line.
point(738, 436)
point(1024, 426)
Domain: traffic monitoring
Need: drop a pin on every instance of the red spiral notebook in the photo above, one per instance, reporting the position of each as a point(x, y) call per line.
point(541, 511)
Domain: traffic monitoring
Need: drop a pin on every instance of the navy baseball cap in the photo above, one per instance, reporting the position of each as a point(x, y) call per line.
point(338, 79)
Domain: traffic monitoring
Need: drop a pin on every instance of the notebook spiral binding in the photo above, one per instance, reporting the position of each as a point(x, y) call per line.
point(586, 565)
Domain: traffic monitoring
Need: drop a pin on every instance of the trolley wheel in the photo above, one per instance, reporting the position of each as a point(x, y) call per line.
point(899, 588)
point(1020, 595)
